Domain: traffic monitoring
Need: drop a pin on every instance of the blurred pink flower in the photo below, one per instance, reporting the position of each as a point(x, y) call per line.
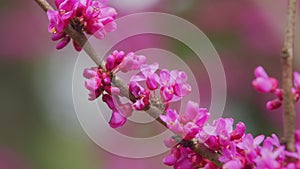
point(9, 159)
point(148, 74)
point(263, 83)
point(132, 62)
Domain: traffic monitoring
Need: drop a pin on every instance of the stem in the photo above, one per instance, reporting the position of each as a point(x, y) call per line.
point(44, 5)
point(81, 40)
point(212, 156)
point(289, 115)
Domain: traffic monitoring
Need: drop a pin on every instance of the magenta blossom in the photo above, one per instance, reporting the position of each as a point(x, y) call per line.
point(183, 158)
point(172, 119)
point(263, 83)
point(98, 82)
point(114, 60)
point(148, 74)
point(94, 83)
point(90, 16)
point(172, 158)
point(173, 85)
point(117, 120)
point(268, 158)
point(250, 146)
point(141, 96)
point(132, 61)
point(233, 164)
point(229, 153)
point(193, 113)
point(120, 111)
point(188, 123)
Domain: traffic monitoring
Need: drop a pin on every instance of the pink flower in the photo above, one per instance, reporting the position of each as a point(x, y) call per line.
point(268, 158)
point(117, 120)
point(172, 119)
point(263, 83)
point(56, 24)
point(132, 62)
point(172, 158)
point(66, 8)
point(296, 154)
point(182, 158)
point(97, 81)
point(114, 60)
point(93, 17)
point(238, 132)
point(297, 136)
point(273, 104)
point(229, 153)
point(233, 164)
point(93, 82)
point(213, 142)
point(173, 85)
point(194, 114)
point(166, 82)
point(222, 129)
point(250, 145)
point(120, 111)
point(181, 87)
point(148, 74)
point(140, 94)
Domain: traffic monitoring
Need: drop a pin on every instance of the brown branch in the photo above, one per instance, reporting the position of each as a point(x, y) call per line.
point(82, 41)
point(153, 111)
point(44, 5)
point(204, 151)
point(289, 115)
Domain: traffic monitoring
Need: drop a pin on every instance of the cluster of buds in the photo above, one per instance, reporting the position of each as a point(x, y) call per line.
point(172, 86)
point(98, 82)
point(265, 84)
point(94, 17)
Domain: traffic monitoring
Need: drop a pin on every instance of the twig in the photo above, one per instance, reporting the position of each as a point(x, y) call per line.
point(153, 111)
point(289, 115)
point(44, 5)
point(212, 156)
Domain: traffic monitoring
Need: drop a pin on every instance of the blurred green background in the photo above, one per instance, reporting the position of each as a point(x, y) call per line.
point(38, 124)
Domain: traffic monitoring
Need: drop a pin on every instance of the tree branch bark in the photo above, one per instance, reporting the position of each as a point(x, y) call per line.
point(289, 115)
point(153, 111)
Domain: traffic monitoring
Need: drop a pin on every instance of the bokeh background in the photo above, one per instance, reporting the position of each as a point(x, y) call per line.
point(38, 124)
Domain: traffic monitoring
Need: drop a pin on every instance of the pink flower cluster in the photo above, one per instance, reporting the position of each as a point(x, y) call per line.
point(188, 124)
point(237, 150)
point(265, 84)
point(98, 83)
point(91, 16)
point(172, 86)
